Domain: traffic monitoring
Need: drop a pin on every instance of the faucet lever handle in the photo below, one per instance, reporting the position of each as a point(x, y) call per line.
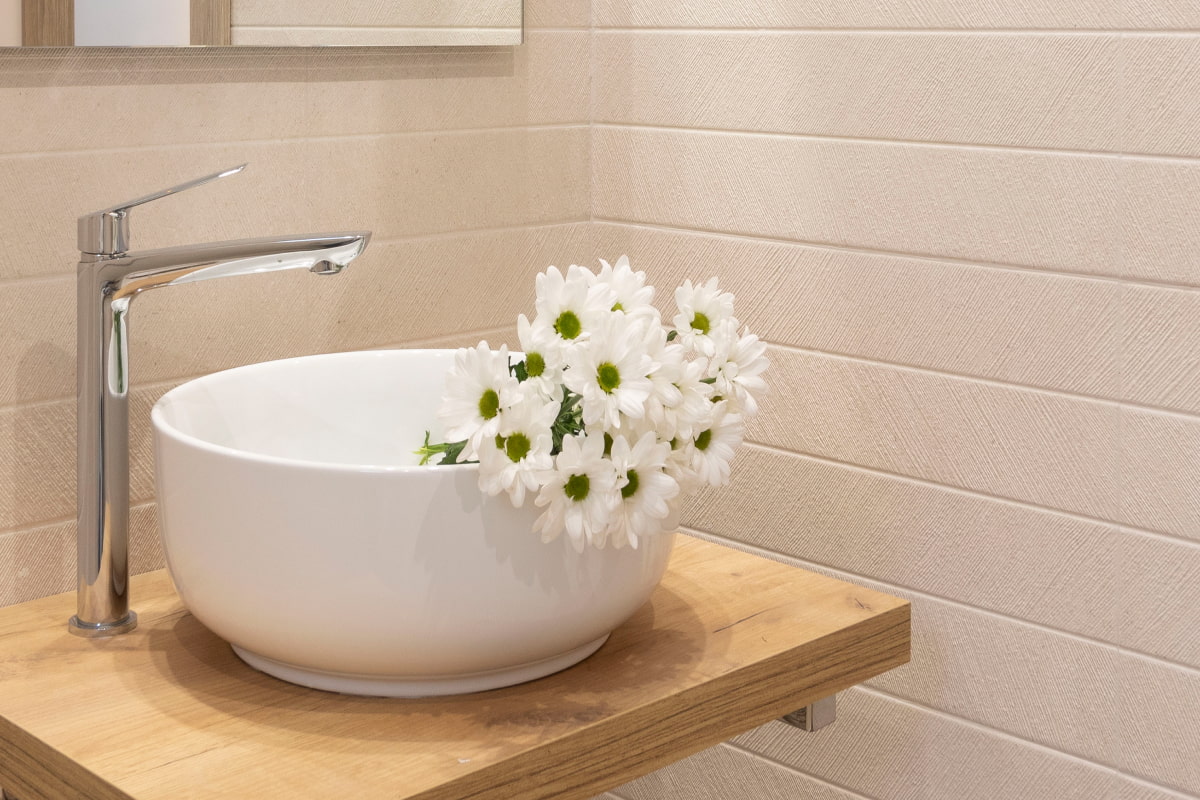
point(106, 232)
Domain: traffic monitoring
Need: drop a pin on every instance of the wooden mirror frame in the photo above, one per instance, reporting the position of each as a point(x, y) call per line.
point(51, 23)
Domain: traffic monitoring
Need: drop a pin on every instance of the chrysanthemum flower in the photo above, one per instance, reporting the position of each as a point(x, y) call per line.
point(519, 457)
point(737, 368)
point(632, 295)
point(572, 305)
point(478, 388)
point(610, 373)
point(646, 489)
point(543, 356)
point(580, 493)
point(713, 447)
point(701, 310)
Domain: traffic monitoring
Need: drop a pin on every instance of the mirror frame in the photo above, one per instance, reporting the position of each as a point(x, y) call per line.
point(51, 23)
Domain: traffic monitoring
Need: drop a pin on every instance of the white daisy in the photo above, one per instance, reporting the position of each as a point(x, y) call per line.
point(701, 309)
point(713, 447)
point(519, 456)
point(693, 412)
point(610, 372)
point(478, 387)
point(632, 295)
point(646, 488)
point(580, 493)
point(543, 356)
point(572, 305)
point(737, 368)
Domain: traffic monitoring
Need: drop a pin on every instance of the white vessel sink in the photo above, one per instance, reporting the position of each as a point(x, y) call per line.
point(298, 527)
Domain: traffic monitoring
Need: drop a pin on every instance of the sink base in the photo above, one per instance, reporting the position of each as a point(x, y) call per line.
point(372, 686)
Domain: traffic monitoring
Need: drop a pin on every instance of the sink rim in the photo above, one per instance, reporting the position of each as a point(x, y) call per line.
point(163, 426)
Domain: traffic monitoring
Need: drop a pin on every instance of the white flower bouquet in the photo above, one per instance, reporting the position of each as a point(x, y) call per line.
point(610, 416)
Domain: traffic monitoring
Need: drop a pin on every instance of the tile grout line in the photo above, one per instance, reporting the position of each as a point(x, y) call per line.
point(921, 143)
point(1190, 416)
point(851, 576)
point(209, 145)
point(1171, 538)
point(913, 31)
point(881, 251)
point(794, 769)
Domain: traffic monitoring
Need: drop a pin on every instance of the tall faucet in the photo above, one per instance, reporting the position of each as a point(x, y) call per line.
point(108, 280)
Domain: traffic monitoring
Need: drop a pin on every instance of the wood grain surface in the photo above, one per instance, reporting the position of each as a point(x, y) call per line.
point(727, 642)
point(48, 23)
point(212, 22)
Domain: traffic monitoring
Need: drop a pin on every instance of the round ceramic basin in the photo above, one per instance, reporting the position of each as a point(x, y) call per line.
point(298, 526)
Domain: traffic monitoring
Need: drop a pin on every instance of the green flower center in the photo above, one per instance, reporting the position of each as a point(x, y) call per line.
point(489, 404)
point(703, 440)
point(608, 376)
point(700, 323)
point(577, 487)
point(535, 365)
point(630, 489)
point(517, 447)
point(568, 325)
point(618, 307)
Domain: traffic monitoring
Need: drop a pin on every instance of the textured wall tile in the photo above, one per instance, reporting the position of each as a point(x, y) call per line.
point(1160, 471)
point(1016, 443)
point(884, 748)
point(431, 13)
point(1059, 571)
point(1160, 206)
point(721, 773)
point(870, 14)
point(1158, 740)
point(1054, 331)
point(393, 185)
point(1011, 89)
point(558, 13)
point(542, 82)
point(1013, 207)
point(1160, 346)
point(1158, 97)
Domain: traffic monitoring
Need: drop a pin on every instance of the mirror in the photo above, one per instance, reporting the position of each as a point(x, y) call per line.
point(263, 23)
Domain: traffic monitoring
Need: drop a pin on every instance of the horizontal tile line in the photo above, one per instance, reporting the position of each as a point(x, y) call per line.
point(1189, 416)
point(817, 30)
point(56, 521)
point(339, 137)
point(923, 143)
point(1171, 538)
point(1022, 740)
point(882, 251)
point(849, 575)
point(376, 242)
point(792, 768)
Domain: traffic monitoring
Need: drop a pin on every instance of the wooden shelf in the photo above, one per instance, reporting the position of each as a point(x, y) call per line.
point(728, 642)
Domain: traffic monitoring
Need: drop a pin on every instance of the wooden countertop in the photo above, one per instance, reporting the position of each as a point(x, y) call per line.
point(727, 642)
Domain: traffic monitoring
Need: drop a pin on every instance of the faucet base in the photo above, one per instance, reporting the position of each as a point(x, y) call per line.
point(101, 630)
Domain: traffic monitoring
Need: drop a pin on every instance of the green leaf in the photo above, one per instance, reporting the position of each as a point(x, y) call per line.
point(449, 452)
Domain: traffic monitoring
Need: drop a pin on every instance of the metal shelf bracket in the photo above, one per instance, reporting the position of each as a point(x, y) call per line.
point(813, 717)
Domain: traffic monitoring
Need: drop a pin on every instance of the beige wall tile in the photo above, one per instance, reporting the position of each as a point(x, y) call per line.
point(1159, 740)
point(1007, 206)
point(723, 772)
point(1015, 443)
point(1054, 331)
point(1158, 98)
point(542, 82)
point(868, 14)
point(558, 13)
point(1160, 340)
point(395, 186)
point(1160, 203)
point(1009, 89)
point(1160, 471)
point(884, 748)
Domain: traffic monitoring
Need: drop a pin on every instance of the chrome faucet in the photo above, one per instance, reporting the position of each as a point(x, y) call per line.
point(109, 278)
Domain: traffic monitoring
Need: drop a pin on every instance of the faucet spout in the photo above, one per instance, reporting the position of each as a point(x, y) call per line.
point(107, 284)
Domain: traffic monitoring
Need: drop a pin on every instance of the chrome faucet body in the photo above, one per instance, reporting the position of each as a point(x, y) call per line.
point(108, 280)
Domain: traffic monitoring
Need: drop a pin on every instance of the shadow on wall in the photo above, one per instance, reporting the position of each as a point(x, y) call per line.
point(126, 66)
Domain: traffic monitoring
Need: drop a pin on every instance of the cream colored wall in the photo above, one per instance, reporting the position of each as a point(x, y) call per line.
point(970, 232)
point(469, 166)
